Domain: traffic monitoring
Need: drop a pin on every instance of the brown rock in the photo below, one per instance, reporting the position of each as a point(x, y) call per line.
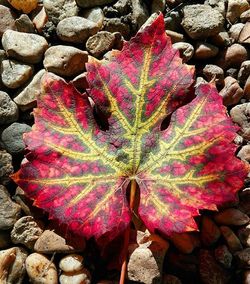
point(245, 16)
point(247, 88)
point(232, 92)
point(244, 72)
point(240, 114)
point(24, 24)
point(210, 232)
point(80, 82)
point(244, 235)
point(235, 9)
point(244, 153)
point(244, 36)
point(223, 256)
point(39, 18)
point(171, 279)
point(7, 20)
point(6, 167)
point(244, 204)
point(212, 72)
point(231, 239)
point(186, 50)
point(185, 242)
point(205, 51)
point(222, 39)
point(235, 31)
point(243, 257)
point(175, 37)
point(50, 242)
point(246, 277)
point(231, 216)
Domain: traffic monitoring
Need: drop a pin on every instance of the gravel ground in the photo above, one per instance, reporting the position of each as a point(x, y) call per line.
point(58, 36)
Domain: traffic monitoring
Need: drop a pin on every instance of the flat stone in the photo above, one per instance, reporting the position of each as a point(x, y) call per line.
point(15, 74)
point(195, 21)
point(95, 15)
point(65, 60)
point(26, 231)
point(24, 24)
point(10, 212)
point(7, 19)
point(231, 216)
point(205, 50)
point(100, 43)
point(8, 109)
point(244, 36)
point(76, 29)
point(235, 8)
point(58, 10)
point(40, 269)
point(50, 242)
point(240, 114)
point(186, 50)
point(12, 137)
point(28, 48)
point(26, 99)
point(6, 167)
point(93, 3)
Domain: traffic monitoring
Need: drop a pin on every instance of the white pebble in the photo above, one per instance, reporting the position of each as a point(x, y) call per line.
point(80, 277)
point(71, 263)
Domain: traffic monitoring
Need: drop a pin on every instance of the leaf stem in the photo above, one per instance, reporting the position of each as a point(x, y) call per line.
point(127, 234)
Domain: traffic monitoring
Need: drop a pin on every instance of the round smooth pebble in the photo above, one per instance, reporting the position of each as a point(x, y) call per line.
point(71, 263)
point(8, 109)
point(80, 277)
point(95, 15)
point(186, 50)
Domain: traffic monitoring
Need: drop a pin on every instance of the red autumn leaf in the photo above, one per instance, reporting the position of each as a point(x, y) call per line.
point(80, 173)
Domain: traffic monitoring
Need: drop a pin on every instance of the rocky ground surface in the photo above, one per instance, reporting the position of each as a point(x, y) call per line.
point(58, 36)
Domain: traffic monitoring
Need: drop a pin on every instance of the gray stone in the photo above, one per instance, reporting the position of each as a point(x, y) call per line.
point(211, 72)
point(9, 211)
point(6, 167)
point(93, 3)
point(24, 24)
point(196, 23)
point(15, 74)
point(60, 9)
point(116, 25)
point(65, 60)
point(95, 15)
point(244, 36)
point(235, 31)
point(12, 137)
point(244, 72)
point(186, 50)
point(76, 29)
point(123, 7)
point(7, 20)
point(25, 47)
point(8, 109)
point(26, 99)
point(139, 14)
point(240, 114)
point(235, 8)
point(26, 231)
point(205, 50)
point(100, 43)
point(220, 5)
point(175, 37)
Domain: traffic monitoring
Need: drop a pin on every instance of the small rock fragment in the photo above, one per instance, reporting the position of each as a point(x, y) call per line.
point(231, 216)
point(244, 36)
point(235, 8)
point(60, 9)
point(186, 50)
point(185, 242)
point(223, 256)
point(195, 21)
point(211, 72)
point(25, 47)
point(25, 6)
point(244, 72)
point(76, 29)
point(232, 92)
point(26, 231)
point(40, 269)
point(7, 258)
point(10, 212)
point(232, 241)
point(24, 24)
point(7, 19)
point(65, 60)
point(15, 74)
point(245, 16)
point(26, 99)
point(139, 14)
point(50, 242)
point(94, 15)
point(210, 233)
point(175, 37)
point(100, 43)
point(115, 24)
point(40, 19)
point(8, 109)
point(240, 114)
point(6, 167)
point(80, 277)
point(244, 153)
point(243, 257)
point(205, 51)
point(244, 235)
point(71, 263)
point(12, 137)
point(235, 31)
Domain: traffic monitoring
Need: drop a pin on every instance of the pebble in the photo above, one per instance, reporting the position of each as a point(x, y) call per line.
point(115, 24)
point(244, 204)
point(65, 60)
point(8, 109)
point(26, 99)
point(244, 235)
point(186, 50)
point(247, 88)
point(6, 167)
point(139, 14)
point(26, 231)
point(100, 43)
point(50, 242)
point(40, 269)
point(60, 9)
point(246, 277)
point(222, 39)
point(25, 6)
point(235, 31)
point(7, 20)
point(204, 51)
point(10, 212)
point(195, 21)
point(244, 153)
point(244, 36)
point(28, 48)
point(71, 263)
point(76, 29)
point(40, 19)
point(12, 137)
point(210, 232)
point(173, 21)
point(15, 74)
point(185, 242)
point(92, 3)
point(235, 8)
point(231, 72)
point(231, 239)
point(244, 72)
point(158, 6)
point(24, 24)
point(223, 256)
point(94, 15)
point(81, 277)
point(211, 72)
point(231, 216)
point(245, 16)
point(240, 114)
point(243, 257)
point(175, 37)
point(80, 82)
point(232, 92)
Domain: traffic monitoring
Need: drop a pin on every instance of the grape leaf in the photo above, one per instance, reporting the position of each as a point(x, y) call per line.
point(80, 173)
